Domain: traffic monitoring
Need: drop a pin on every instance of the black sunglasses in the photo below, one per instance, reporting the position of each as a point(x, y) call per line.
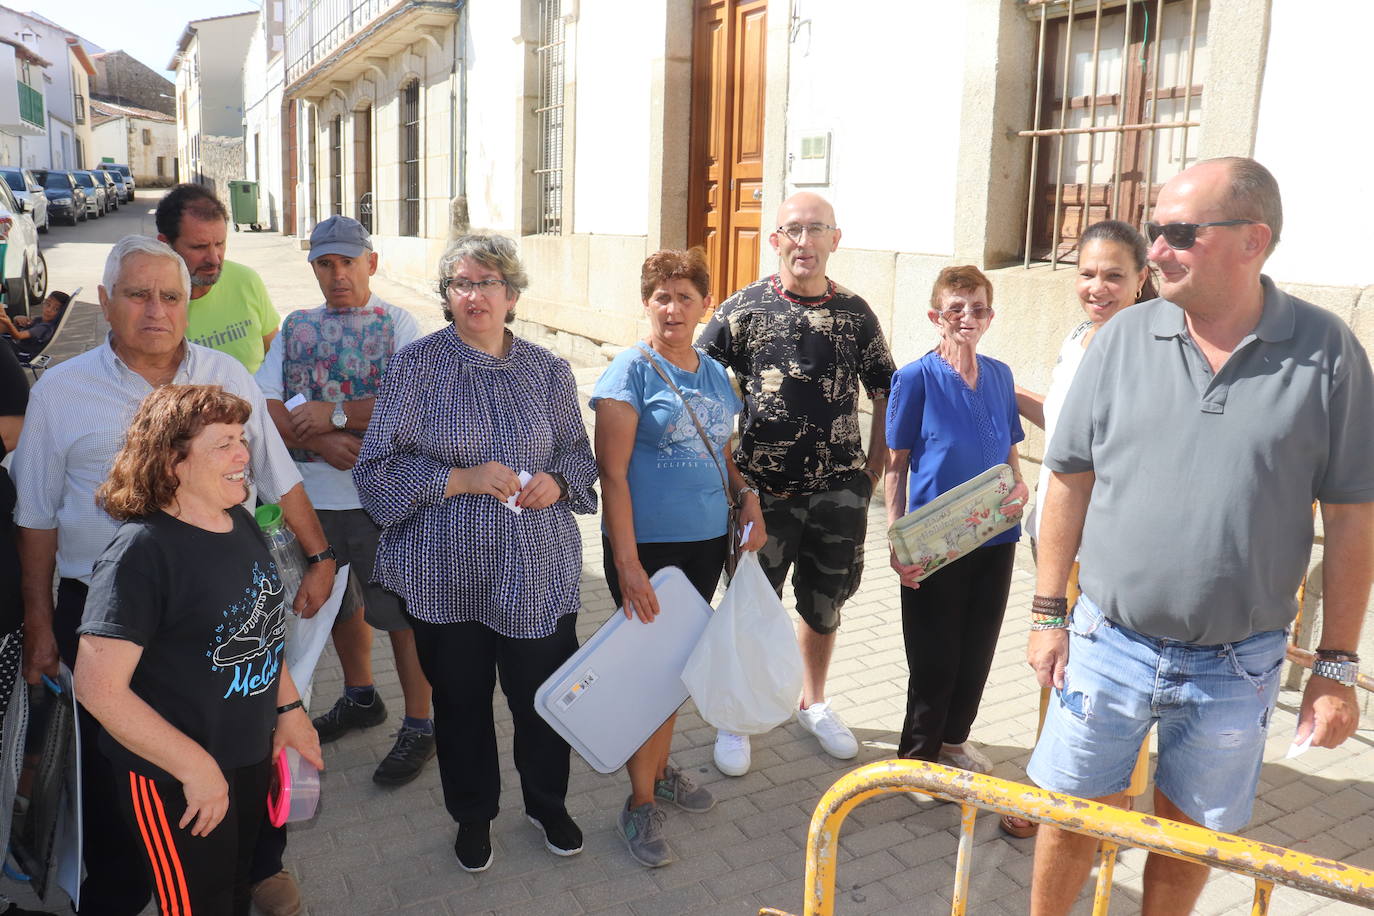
point(1181, 236)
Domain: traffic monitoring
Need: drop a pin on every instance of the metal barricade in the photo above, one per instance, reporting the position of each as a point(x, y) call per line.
point(1113, 827)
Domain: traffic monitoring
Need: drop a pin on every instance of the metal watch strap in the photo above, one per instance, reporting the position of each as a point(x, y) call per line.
point(1343, 673)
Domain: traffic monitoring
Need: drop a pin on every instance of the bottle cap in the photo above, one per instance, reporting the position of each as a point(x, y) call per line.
point(268, 516)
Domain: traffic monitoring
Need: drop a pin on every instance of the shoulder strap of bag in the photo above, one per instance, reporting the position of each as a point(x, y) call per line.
point(701, 431)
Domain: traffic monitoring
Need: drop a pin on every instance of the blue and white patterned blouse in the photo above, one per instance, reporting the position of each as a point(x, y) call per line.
point(444, 404)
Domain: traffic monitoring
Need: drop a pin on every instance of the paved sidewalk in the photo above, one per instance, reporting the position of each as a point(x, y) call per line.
point(373, 850)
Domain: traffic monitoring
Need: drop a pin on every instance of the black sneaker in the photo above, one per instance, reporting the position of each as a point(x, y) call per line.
point(408, 756)
point(347, 715)
point(473, 846)
point(561, 836)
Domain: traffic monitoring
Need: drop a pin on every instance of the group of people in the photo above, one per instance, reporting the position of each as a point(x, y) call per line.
point(446, 470)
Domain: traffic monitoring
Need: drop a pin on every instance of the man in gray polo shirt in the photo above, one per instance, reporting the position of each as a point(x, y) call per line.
point(1193, 442)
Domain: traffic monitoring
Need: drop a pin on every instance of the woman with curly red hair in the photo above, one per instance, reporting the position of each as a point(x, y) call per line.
point(181, 650)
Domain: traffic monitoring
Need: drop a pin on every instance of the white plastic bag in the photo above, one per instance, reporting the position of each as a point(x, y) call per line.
point(745, 673)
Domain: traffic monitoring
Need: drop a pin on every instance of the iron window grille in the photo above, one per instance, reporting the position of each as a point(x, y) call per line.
point(549, 172)
point(410, 158)
point(1118, 98)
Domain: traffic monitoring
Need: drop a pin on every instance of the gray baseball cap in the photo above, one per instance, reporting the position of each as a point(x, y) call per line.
point(339, 235)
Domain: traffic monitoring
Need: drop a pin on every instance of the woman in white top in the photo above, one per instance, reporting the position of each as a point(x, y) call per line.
point(1113, 273)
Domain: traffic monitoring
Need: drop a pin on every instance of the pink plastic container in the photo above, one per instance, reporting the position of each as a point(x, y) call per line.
point(295, 791)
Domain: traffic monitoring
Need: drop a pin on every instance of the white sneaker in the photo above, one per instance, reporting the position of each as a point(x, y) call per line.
point(732, 753)
point(965, 756)
point(823, 722)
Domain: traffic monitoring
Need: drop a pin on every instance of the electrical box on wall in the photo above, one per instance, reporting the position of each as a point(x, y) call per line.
point(810, 158)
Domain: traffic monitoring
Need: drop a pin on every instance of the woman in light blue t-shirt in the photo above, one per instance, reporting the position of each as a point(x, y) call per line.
point(663, 498)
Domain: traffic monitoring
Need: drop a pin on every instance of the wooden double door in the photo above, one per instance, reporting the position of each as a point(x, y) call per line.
point(726, 165)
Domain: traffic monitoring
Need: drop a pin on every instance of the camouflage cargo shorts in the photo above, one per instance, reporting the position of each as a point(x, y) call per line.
point(821, 537)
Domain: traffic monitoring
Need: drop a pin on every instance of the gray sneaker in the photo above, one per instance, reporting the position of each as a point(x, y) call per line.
point(642, 830)
point(680, 789)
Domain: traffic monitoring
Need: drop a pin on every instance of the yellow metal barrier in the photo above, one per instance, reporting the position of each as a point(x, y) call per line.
point(1114, 827)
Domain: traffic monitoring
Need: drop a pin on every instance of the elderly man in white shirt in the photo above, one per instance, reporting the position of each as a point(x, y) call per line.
point(78, 415)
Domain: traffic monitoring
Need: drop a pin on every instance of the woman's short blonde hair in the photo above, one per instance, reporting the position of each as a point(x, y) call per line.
point(965, 279)
point(144, 477)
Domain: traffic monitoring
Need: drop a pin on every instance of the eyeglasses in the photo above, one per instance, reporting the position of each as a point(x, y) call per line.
point(1181, 236)
point(794, 230)
point(979, 312)
point(464, 286)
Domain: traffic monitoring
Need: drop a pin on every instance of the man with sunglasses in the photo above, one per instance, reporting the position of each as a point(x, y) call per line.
point(1195, 438)
point(800, 346)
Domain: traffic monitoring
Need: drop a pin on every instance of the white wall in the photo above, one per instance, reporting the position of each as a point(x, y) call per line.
point(110, 138)
point(1315, 137)
point(893, 114)
point(609, 169)
point(222, 47)
point(495, 88)
point(263, 73)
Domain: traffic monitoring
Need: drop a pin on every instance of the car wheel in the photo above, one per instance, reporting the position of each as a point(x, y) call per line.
point(37, 281)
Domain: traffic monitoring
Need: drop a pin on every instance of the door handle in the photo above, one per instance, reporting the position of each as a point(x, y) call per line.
point(758, 194)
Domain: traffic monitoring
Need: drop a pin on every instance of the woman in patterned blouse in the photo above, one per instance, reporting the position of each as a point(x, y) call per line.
point(473, 465)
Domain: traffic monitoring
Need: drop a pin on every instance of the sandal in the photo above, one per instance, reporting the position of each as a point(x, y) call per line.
point(1018, 827)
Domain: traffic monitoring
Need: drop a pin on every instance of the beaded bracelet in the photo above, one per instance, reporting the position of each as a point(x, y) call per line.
point(1050, 623)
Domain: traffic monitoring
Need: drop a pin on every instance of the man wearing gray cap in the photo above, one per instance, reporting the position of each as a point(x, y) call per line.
point(334, 356)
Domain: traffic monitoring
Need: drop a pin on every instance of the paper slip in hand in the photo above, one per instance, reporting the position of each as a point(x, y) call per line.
point(1298, 749)
point(510, 500)
point(295, 402)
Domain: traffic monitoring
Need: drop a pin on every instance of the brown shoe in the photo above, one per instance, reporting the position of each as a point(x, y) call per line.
point(278, 895)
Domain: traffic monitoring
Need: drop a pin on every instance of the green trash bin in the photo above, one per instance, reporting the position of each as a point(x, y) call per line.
point(243, 203)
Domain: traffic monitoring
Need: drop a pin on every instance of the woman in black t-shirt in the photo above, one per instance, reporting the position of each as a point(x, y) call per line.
point(181, 649)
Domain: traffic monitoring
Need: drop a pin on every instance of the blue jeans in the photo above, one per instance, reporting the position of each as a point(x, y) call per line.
point(1212, 705)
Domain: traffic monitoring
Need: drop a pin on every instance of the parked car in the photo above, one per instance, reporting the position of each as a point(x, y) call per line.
point(97, 203)
point(111, 189)
point(120, 185)
point(29, 193)
point(122, 169)
point(66, 198)
point(26, 271)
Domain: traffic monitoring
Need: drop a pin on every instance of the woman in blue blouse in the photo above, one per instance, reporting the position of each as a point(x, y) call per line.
point(473, 465)
point(951, 416)
point(665, 504)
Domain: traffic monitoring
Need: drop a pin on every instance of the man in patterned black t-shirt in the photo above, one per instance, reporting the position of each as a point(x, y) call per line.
point(800, 346)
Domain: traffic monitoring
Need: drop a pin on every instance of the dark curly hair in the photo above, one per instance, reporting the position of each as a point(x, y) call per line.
point(144, 477)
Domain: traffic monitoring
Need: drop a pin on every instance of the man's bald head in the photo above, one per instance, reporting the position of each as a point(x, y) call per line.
point(809, 202)
point(804, 240)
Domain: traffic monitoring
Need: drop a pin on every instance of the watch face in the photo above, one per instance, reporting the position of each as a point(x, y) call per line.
point(338, 417)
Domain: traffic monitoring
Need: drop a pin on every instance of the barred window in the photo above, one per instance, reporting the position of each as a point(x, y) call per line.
point(549, 173)
point(410, 158)
point(1118, 100)
point(336, 164)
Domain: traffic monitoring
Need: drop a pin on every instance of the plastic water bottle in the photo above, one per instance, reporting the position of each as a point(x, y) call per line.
point(286, 553)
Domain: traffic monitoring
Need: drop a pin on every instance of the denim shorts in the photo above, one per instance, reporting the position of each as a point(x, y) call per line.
point(1212, 705)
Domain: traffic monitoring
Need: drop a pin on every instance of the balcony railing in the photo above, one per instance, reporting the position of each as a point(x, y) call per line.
point(320, 27)
point(31, 105)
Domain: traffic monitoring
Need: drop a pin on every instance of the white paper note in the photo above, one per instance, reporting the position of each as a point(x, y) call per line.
point(510, 500)
point(295, 402)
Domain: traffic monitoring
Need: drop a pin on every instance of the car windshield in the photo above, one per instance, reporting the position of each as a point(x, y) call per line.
point(86, 181)
point(15, 180)
point(58, 181)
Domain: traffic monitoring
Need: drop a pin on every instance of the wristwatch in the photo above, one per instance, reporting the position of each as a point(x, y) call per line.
point(326, 554)
point(338, 417)
point(742, 490)
point(1343, 673)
